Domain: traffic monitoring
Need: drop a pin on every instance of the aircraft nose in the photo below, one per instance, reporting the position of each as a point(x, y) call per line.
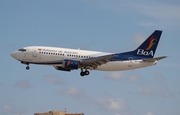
point(13, 54)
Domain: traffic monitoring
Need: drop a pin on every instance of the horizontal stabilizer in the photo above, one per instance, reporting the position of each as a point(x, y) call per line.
point(155, 59)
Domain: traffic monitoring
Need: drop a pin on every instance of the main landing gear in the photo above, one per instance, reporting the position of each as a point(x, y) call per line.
point(83, 73)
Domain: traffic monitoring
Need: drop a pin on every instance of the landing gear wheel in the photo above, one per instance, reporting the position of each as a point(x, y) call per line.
point(27, 67)
point(86, 72)
point(82, 73)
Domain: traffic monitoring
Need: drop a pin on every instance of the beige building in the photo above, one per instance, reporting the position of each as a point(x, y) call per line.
point(58, 113)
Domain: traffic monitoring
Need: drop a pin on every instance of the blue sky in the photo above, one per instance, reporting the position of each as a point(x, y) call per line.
point(102, 25)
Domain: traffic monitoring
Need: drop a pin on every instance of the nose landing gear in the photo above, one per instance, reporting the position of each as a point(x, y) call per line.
point(27, 67)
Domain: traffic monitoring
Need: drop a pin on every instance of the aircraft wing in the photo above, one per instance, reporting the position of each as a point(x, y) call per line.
point(155, 59)
point(95, 62)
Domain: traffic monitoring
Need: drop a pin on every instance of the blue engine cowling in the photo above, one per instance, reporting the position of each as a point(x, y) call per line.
point(70, 64)
point(61, 68)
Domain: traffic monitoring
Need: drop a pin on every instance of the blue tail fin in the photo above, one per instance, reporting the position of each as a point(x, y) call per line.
point(148, 48)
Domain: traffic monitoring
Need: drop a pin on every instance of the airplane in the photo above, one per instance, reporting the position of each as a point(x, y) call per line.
point(66, 59)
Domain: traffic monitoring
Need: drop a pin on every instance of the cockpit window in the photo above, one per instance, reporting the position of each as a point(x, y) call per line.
point(22, 50)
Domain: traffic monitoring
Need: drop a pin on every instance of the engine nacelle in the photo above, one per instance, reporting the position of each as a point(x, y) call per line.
point(70, 64)
point(61, 68)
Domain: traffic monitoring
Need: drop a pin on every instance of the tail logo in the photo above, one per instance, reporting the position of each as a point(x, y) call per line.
point(152, 41)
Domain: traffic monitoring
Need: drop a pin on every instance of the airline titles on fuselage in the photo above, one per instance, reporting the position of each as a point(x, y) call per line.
point(63, 53)
point(59, 51)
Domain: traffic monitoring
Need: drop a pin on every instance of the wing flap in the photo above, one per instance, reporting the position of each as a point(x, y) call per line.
point(94, 62)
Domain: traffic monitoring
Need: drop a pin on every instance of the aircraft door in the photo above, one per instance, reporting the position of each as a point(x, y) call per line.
point(34, 53)
point(130, 64)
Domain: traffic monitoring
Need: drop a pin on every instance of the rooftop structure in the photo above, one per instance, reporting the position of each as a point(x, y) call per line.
point(58, 113)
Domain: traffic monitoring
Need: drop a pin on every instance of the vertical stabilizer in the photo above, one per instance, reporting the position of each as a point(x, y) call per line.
point(148, 48)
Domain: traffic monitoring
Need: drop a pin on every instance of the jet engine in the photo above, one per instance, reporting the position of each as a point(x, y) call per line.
point(68, 65)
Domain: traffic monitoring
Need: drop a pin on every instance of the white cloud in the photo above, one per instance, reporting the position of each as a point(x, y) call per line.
point(147, 24)
point(133, 77)
point(11, 110)
point(149, 113)
point(118, 114)
point(112, 103)
point(139, 38)
point(115, 76)
point(159, 77)
point(54, 80)
point(7, 109)
point(155, 87)
point(165, 14)
point(154, 90)
point(23, 84)
point(150, 13)
point(73, 92)
point(145, 90)
point(162, 11)
point(171, 65)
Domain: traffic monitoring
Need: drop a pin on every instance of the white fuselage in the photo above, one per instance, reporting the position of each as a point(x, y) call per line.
point(51, 55)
